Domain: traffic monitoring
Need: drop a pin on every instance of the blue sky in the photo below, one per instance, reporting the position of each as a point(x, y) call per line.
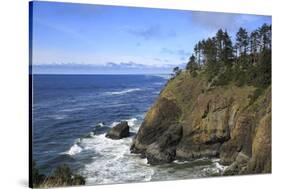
point(84, 38)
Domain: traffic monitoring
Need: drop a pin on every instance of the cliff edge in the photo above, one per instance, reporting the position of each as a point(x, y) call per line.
point(192, 119)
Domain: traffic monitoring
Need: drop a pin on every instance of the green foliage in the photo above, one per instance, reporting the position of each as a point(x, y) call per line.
point(242, 41)
point(192, 66)
point(62, 176)
point(251, 64)
point(62, 172)
point(37, 178)
point(265, 36)
point(224, 78)
point(264, 69)
point(240, 79)
point(227, 51)
point(224, 47)
point(176, 71)
point(258, 92)
point(210, 57)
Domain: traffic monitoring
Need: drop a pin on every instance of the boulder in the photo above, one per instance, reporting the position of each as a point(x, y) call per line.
point(119, 131)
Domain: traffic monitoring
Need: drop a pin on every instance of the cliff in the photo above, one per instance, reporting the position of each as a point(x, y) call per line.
point(192, 119)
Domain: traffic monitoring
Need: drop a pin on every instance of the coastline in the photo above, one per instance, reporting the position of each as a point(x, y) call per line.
point(217, 126)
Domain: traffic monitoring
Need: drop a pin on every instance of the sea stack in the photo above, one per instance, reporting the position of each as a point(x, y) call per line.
point(119, 131)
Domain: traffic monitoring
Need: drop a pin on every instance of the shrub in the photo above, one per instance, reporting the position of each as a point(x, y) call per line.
point(62, 176)
point(37, 178)
point(255, 95)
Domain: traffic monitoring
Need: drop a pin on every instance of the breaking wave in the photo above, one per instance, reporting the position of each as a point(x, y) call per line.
point(123, 91)
point(75, 149)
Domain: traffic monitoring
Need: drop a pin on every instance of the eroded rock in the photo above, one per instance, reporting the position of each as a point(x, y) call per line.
point(119, 131)
point(186, 123)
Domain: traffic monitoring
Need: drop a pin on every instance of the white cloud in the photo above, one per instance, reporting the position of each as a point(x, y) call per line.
point(214, 20)
point(59, 56)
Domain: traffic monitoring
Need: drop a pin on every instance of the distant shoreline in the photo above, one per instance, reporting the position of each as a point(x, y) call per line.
point(152, 74)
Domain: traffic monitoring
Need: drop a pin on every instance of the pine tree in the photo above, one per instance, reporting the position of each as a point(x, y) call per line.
point(199, 53)
point(210, 56)
point(216, 56)
point(176, 71)
point(196, 51)
point(254, 45)
point(235, 51)
point(265, 34)
point(227, 52)
point(219, 43)
point(192, 66)
point(264, 68)
point(242, 41)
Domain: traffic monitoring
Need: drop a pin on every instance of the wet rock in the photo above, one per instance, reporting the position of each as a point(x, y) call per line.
point(119, 131)
point(164, 150)
point(238, 166)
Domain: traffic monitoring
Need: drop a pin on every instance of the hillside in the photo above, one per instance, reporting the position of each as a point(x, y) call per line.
point(191, 120)
point(218, 107)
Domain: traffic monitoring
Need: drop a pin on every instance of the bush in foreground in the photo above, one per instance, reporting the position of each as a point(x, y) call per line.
point(62, 176)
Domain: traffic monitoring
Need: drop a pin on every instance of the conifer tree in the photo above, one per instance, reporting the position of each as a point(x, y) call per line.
point(192, 66)
point(227, 53)
point(254, 45)
point(196, 51)
point(242, 41)
point(219, 43)
point(224, 62)
point(210, 56)
point(265, 34)
point(199, 53)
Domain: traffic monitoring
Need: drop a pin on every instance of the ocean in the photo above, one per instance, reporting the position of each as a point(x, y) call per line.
point(71, 114)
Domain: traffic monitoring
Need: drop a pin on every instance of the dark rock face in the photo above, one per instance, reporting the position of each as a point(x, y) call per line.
point(186, 123)
point(119, 131)
point(164, 150)
point(159, 137)
point(238, 166)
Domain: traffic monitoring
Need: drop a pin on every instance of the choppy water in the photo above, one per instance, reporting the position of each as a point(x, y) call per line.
point(71, 114)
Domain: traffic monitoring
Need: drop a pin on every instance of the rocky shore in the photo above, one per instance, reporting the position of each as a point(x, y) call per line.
point(192, 119)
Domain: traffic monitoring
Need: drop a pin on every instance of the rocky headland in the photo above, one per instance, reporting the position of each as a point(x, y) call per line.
point(219, 106)
point(192, 119)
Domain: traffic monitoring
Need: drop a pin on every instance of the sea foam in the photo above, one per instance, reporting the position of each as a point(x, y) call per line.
point(75, 149)
point(134, 123)
point(123, 91)
point(108, 163)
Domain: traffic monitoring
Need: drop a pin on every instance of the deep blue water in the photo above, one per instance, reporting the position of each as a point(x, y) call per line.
point(68, 107)
point(71, 114)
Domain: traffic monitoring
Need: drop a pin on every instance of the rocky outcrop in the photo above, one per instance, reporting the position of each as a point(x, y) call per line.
point(163, 150)
point(190, 120)
point(119, 131)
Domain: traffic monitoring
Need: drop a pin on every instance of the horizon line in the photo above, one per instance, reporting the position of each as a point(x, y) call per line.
point(99, 74)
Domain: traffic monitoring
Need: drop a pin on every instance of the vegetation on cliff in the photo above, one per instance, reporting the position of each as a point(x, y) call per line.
point(62, 176)
point(220, 106)
point(247, 62)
